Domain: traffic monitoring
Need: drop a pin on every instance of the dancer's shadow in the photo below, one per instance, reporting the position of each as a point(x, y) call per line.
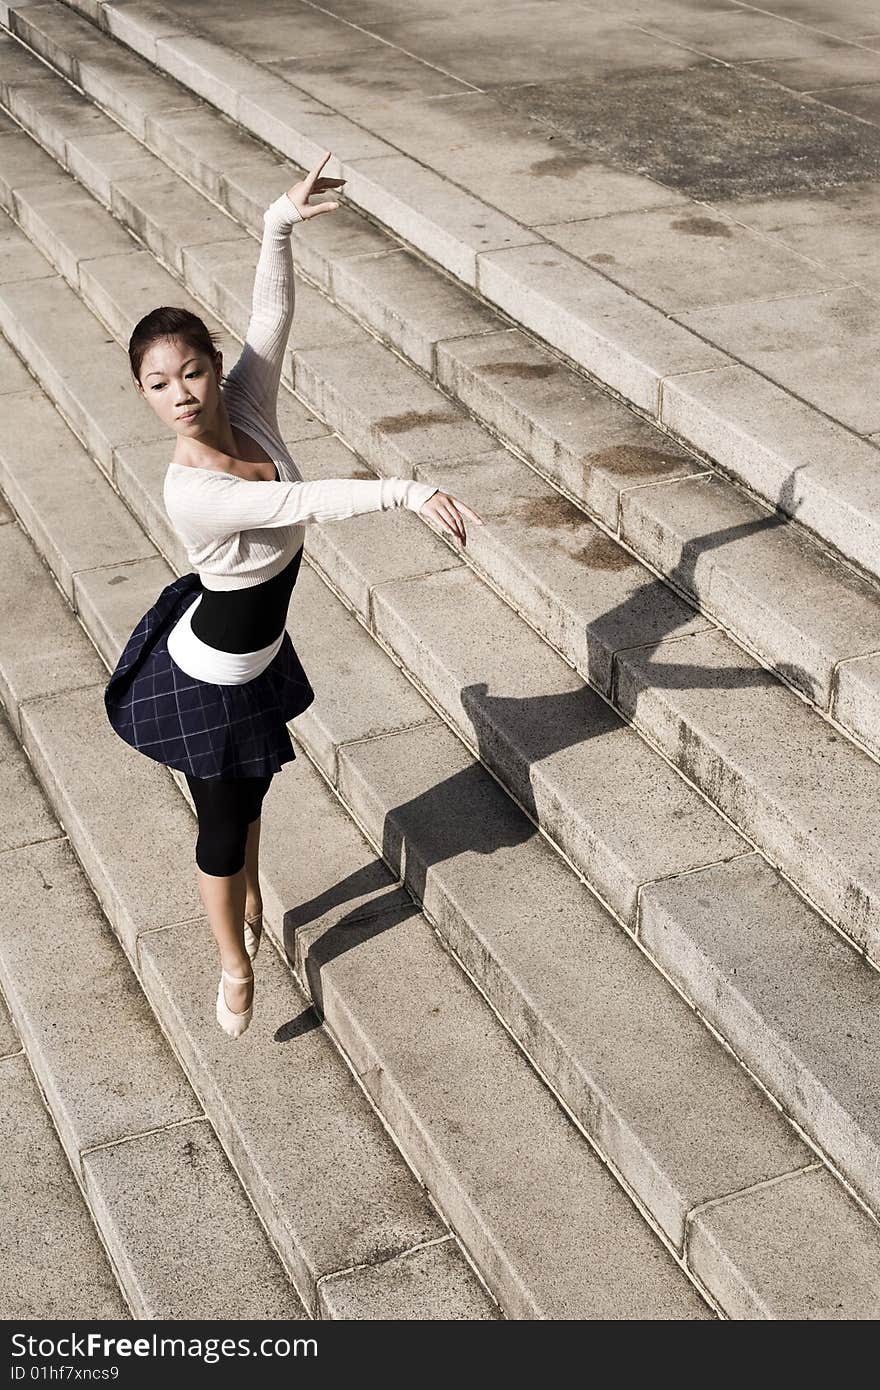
point(467, 813)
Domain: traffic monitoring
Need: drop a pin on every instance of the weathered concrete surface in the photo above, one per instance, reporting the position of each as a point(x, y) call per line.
point(53, 1263)
point(217, 274)
point(781, 1277)
point(24, 816)
point(857, 701)
point(406, 1288)
point(819, 347)
point(36, 654)
point(757, 962)
point(89, 1033)
point(806, 612)
point(202, 1253)
point(625, 98)
point(804, 794)
point(330, 1183)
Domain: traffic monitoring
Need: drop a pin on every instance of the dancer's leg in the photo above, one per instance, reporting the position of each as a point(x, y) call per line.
point(254, 897)
point(222, 806)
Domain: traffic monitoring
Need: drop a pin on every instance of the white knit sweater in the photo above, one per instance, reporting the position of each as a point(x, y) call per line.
point(239, 532)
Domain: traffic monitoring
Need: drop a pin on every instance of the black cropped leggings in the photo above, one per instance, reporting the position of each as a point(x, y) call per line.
point(225, 806)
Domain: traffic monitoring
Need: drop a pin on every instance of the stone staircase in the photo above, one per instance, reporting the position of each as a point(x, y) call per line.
point(587, 895)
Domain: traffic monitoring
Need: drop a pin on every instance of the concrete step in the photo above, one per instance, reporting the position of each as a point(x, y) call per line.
point(713, 543)
point(701, 717)
point(677, 361)
point(172, 1221)
point(339, 1198)
point(554, 1230)
point(541, 995)
point(54, 1262)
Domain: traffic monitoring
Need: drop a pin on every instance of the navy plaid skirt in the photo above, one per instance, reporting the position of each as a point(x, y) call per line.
point(194, 726)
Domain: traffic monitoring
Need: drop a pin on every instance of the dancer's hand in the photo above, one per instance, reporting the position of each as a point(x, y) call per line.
point(302, 191)
point(446, 509)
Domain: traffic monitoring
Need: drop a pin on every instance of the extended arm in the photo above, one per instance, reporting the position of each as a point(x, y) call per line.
point(211, 506)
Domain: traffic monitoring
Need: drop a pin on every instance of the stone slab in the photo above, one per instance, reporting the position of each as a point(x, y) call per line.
point(14, 376)
point(75, 520)
point(800, 610)
point(327, 1179)
point(88, 232)
point(19, 261)
point(53, 1263)
point(546, 1223)
point(857, 699)
point(760, 755)
point(598, 790)
point(384, 408)
point(141, 864)
point(518, 165)
point(168, 215)
point(10, 1042)
point(140, 25)
point(22, 165)
point(104, 1064)
point(407, 303)
point(432, 1283)
point(576, 586)
point(684, 258)
point(25, 818)
point(76, 362)
point(493, 888)
point(837, 64)
point(454, 228)
point(739, 37)
point(708, 130)
point(38, 655)
point(574, 433)
point(58, 35)
point(616, 337)
point(98, 160)
point(757, 961)
point(793, 457)
point(800, 1250)
point(204, 148)
point(824, 224)
point(202, 1253)
point(818, 347)
point(121, 288)
point(54, 112)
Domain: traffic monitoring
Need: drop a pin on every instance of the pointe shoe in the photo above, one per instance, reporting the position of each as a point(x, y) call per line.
point(253, 938)
point(232, 1023)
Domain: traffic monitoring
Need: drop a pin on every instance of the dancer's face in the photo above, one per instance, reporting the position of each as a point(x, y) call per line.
point(182, 385)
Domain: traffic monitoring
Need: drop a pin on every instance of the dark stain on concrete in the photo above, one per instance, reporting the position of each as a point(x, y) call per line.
point(363, 473)
point(524, 371)
point(710, 131)
point(415, 420)
point(602, 258)
point(702, 226)
point(553, 511)
point(635, 461)
point(118, 579)
point(561, 166)
point(603, 554)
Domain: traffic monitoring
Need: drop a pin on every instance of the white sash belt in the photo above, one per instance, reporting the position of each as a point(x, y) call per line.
point(206, 663)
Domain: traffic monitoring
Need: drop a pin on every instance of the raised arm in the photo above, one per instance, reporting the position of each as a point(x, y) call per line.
point(256, 376)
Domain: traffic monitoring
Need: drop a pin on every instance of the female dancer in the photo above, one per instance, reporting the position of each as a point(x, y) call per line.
point(209, 678)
